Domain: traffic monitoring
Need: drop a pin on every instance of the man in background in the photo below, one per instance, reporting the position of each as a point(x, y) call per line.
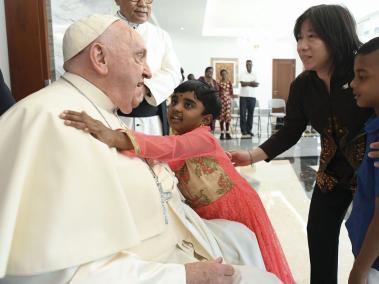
point(150, 116)
point(248, 81)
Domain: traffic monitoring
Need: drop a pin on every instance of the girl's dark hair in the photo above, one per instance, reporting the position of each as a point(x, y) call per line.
point(222, 70)
point(370, 46)
point(206, 69)
point(335, 25)
point(208, 96)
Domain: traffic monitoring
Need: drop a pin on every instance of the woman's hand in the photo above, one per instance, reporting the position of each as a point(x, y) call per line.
point(82, 121)
point(240, 158)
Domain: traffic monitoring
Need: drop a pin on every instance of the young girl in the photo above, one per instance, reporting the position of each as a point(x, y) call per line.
point(226, 94)
point(207, 178)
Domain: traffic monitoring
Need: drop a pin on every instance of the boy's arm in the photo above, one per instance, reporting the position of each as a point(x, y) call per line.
point(369, 250)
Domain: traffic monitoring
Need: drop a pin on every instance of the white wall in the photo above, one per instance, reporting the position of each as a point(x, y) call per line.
point(4, 63)
point(368, 27)
point(195, 54)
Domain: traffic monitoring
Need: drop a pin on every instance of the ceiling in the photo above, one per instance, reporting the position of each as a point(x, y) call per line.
point(240, 18)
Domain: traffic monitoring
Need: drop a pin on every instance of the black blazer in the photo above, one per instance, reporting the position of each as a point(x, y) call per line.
point(6, 99)
point(338, 119)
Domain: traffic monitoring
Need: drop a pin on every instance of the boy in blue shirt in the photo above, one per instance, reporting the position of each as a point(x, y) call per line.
point(363, 223)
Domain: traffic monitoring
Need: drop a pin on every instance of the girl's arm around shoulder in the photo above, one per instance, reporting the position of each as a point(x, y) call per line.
point(196, 143)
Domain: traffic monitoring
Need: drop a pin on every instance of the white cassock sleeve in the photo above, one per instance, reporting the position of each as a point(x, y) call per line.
point(120, 268)
point(125, 268)
point(166, 78)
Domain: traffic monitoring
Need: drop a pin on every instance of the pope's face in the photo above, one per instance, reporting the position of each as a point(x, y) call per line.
point(128, 68)
point(136, 11)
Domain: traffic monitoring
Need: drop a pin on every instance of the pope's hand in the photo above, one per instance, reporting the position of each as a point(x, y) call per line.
point(209, 272)
point(239, 158)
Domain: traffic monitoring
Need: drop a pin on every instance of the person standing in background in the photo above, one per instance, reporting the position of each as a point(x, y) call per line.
point(208, 79)
point(248, 81)
point(226, 94)
point(190, 76)
point(150, 116)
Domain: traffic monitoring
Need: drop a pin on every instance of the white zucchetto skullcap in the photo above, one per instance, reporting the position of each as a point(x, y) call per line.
point(81, 33)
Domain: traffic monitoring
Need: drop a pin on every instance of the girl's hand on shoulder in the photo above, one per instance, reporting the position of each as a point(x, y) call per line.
point(82, 121)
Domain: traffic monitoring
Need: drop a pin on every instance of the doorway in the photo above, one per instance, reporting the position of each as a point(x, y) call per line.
point(283, 73)
point(28, 49)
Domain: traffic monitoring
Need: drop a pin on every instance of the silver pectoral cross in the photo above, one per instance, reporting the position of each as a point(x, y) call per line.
point(165, 196)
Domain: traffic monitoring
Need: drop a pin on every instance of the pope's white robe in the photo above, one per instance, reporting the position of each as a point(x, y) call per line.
point(73, 210)
point(165, 68)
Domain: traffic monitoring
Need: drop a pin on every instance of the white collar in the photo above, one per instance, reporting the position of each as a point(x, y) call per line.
point(89, 90)
point(130, 24)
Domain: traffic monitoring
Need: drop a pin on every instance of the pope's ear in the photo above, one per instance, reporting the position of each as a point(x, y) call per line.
point(98, 57)
point(207, 119)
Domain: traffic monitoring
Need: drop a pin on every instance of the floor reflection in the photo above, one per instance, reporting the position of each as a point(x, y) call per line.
point(304, 156)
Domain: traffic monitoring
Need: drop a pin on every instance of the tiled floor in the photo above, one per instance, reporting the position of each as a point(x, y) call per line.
point(285, 186)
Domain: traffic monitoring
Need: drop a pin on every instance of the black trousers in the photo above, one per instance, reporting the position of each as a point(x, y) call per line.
point(247, 106)
point(326, 213)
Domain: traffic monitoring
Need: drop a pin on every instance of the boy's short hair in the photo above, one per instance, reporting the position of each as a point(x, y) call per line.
point(208, 96)
point(370, 46)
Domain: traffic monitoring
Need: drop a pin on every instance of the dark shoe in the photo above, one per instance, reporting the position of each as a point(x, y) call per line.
point(228, 137)
point(222, 137)
point(251, 133)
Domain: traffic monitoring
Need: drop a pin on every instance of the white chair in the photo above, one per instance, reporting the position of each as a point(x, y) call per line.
point(257, 117)
point(278, 104)
point(235, 114)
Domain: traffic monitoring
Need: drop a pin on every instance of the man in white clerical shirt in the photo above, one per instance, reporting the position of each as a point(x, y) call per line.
point(150, 116)
point(74, 211)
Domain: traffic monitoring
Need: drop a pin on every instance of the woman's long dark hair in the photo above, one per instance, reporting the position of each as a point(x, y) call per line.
point(335, 25)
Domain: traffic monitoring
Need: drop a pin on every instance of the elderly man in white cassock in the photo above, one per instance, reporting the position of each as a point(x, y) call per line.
point(74, 211)
point(150, 116)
